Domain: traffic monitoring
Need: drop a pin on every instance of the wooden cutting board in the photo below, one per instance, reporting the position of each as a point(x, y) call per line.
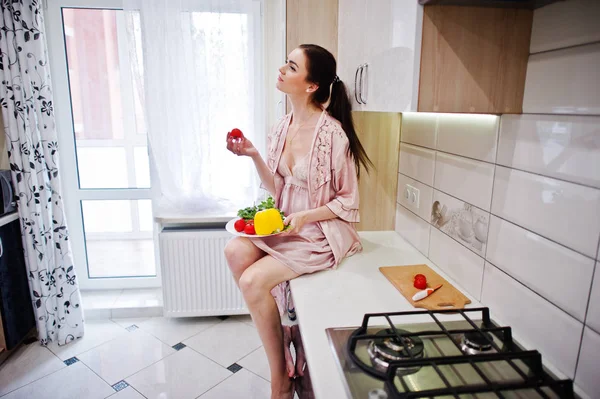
point(447, 297)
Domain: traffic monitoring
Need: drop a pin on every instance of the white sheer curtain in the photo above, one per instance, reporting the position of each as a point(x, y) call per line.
point(197, 65)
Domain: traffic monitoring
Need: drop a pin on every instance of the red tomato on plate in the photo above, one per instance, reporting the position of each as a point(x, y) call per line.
point(249, 229)
point(239, 225)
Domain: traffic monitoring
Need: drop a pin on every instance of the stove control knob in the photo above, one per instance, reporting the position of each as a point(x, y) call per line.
point(377, 394)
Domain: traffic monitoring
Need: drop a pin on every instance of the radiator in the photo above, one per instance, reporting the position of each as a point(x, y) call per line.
point(196, 280)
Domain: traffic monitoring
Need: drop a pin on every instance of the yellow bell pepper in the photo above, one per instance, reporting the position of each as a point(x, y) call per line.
point(267, 222)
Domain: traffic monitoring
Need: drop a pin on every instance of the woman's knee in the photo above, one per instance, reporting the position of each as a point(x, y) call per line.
point(251, 284)
point(240, 254)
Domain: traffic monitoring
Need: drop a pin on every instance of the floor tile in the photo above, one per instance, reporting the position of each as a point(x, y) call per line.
point(246, 318)
point(97, 314)
point(226, 342)
point(127, 393)
point(99, 299)
point(172, 330)
point(150, 311)
point(128, 321)
point(257, 363)
point(185, 374)
point(73, 382)
point(146, 297)
point(125, 355)
point(27, 364)
point(96, 333)
point(242, 384)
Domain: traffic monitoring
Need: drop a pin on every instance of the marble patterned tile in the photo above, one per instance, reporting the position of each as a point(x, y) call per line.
point(27, 364)
point(226, 342)
point(183, 375)
point(242, 384)
point(73, 382)
point(125, 355)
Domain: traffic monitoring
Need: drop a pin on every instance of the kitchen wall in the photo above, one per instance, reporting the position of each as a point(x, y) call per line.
point(510, 206)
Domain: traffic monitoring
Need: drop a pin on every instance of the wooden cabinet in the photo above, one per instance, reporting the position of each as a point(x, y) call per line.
point(312, 22)
point(379, 133)
point(474, 59)
point(434, 58)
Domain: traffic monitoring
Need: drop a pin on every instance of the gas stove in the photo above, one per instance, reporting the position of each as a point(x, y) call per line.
point(471, 357)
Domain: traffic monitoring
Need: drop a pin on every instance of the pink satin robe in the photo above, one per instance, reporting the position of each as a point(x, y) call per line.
point(330, 181)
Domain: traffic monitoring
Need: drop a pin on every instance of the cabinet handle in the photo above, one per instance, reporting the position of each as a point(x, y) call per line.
point(365, 68)
point(1, 248)
point(356, 84)
point(360, 84)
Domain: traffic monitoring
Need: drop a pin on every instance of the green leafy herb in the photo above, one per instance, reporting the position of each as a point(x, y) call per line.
point(249, 212)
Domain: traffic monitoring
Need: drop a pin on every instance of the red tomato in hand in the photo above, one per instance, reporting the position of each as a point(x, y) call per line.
point(236, 134)
point(249, 229)
point(239, 225)
point(420, 283)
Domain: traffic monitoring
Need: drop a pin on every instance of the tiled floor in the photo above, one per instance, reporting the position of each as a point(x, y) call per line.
point(144, 357)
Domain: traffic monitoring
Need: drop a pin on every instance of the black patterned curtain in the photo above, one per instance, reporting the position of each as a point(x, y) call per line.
point(31, 140)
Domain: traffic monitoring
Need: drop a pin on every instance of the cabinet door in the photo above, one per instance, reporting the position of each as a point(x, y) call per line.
point(393, 55)
point(351, 31)
point(15, 300)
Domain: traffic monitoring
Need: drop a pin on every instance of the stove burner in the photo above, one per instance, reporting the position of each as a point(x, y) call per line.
point(476, 343)
point(383, 350)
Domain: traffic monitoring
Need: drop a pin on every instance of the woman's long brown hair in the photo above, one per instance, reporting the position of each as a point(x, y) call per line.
point(321, 66)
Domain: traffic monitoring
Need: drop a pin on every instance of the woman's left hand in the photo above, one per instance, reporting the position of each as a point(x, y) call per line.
point(296, 221)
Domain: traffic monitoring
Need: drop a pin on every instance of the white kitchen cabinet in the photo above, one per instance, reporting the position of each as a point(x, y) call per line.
point(384, 35)
point(351, 41)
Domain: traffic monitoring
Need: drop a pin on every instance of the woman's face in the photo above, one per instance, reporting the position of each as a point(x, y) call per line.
point(292, 75)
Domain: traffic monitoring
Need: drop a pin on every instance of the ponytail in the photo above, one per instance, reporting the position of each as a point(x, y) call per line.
point(341, 109)
point(321, 67)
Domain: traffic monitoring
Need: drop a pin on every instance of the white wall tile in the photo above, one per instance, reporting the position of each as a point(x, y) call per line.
point(562, 146)
point(593, 314)
point(466, 179)
point(469, 135)
point(419, 128)
point(417, 162)
point(425, 194)
point(564, 212)
point(564, 82)
point(414, 229)
point(587, 377)
point(464, 222)
point(531, 317)
point(460, 263)
point(541, 265)
point(565, 24)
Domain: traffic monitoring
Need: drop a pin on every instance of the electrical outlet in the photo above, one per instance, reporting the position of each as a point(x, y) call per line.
point(412, 194)
point(415, 197)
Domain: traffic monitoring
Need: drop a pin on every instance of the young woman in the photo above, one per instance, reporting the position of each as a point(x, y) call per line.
point(312, 168)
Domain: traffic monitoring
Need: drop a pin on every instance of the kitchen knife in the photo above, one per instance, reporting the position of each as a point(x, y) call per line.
point(425, 293)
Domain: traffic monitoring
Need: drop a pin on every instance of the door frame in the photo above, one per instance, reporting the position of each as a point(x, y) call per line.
point(72, 193)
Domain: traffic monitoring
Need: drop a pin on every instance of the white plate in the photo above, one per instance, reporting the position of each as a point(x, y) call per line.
point(229, 227)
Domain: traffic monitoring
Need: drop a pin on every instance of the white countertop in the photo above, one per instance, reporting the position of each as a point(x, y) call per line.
point(340, 298)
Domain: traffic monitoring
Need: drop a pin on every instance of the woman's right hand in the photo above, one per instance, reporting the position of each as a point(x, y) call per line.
point(241, 147)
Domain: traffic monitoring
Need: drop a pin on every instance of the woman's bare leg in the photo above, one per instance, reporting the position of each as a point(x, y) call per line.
point(240, 253)
point(256, 283)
